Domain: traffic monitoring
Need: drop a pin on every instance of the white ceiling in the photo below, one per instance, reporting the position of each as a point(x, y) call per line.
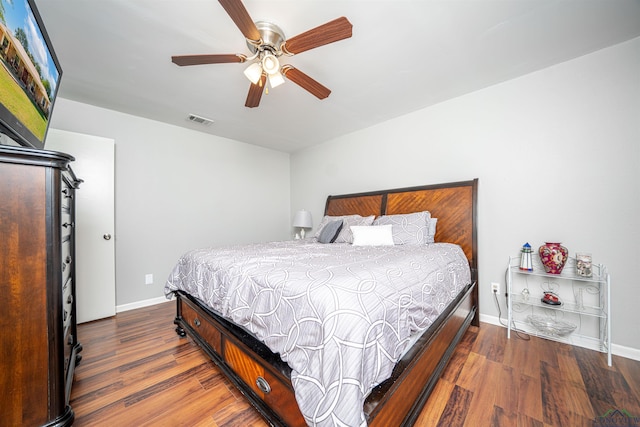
point(403, 56)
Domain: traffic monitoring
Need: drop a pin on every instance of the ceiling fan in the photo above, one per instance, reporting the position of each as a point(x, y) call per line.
point(267, 43)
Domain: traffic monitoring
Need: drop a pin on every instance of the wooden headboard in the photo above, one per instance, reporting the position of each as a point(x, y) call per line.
point(454, 204)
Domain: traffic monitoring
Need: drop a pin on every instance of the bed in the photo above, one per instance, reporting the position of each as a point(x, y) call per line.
point(339, 353)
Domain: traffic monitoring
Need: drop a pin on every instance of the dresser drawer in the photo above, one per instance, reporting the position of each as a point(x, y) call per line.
point(68, 347)
point(66, 196)
point(67, 303)
point(66, 233)
point(66, 261)
point(65, 215)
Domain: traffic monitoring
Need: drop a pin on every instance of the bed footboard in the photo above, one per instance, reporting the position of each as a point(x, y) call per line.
point(399, 400)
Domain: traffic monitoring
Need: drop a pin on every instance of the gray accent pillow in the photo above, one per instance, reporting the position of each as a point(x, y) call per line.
point(345, 235)
point(431, 234)
point(330, 231)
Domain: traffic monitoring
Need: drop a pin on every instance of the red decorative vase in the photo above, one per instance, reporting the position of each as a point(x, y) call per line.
point(553, 256)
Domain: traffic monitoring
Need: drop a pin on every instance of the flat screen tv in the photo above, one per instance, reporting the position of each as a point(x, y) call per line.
point(29, 74)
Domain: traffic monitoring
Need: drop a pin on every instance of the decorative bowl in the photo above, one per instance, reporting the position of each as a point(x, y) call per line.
point(551, 326)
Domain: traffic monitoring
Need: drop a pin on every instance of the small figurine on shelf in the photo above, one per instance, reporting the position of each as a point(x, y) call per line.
point(526, 263)
point(550, 298)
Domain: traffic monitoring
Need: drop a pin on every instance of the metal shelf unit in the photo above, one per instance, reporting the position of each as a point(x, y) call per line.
point(585, 301)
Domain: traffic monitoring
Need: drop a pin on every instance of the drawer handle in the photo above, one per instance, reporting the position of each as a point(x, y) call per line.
point(196, 321)
point(263, 385)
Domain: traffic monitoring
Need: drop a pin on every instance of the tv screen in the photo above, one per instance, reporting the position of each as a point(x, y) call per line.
point(29, 76)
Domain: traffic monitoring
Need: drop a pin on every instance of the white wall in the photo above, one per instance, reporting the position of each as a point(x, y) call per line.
point(557, 155)
point(178, 189)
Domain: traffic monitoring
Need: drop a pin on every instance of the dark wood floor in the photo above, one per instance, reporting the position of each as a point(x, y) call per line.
point(136, 371)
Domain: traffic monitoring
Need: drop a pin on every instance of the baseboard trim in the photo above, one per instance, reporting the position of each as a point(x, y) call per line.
point(140, 304)
point(618, 350)
point(628, 352)
point(491, 319)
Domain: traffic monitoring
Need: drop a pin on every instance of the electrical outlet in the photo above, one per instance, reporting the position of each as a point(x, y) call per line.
point(495, 287)
point(148, 279)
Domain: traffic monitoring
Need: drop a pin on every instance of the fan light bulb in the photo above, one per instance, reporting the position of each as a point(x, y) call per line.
point(270, 64)
point(253, 72)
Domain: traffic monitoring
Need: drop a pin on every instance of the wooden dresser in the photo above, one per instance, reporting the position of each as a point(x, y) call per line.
point(39, 348)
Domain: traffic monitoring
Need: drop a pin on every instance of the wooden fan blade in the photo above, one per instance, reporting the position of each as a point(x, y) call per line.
point(332, 31)
point(255, 93)
point(183, 60)
point(238, 13)
point(305, 82)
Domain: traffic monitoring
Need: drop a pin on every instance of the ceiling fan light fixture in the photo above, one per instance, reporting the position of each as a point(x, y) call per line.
point(267, 42)
point(253, 72)
point(270, 64)
point(275, 79)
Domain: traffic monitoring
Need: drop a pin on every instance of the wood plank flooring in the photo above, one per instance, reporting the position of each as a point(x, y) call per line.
point(136, 371)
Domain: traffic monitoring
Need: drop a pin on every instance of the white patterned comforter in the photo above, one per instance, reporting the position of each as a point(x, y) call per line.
point(339, 315)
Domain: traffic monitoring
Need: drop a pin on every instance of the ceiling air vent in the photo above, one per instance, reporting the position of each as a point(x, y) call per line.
point(200, 120)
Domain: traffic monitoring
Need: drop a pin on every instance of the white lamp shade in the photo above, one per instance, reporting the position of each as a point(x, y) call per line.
point(270, 64)
point(253, 72)
point(275, 80)
point(303, 219)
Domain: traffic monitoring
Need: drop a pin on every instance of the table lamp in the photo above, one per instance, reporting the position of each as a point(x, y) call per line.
point(302, 220)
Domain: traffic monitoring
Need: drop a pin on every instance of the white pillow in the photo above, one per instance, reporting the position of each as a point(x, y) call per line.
point(374, 235)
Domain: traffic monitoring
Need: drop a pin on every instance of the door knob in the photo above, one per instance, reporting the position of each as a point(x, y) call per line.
point(107, 236)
